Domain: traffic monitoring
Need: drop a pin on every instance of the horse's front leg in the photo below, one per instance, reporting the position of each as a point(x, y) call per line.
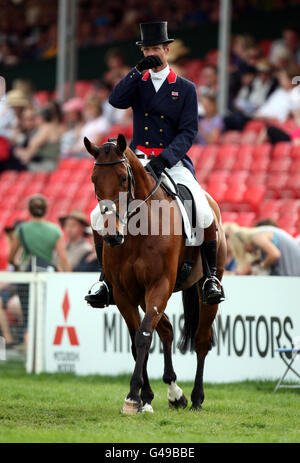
point(131, 316)
point(156, 297)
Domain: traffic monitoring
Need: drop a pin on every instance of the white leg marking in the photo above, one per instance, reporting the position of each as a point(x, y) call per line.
point(147, 408)
point(174, 392)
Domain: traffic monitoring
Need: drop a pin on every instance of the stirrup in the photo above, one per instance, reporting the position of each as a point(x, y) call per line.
point(107, 291)
point(214, 278)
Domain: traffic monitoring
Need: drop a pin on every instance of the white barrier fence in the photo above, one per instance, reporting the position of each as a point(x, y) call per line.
point(65, 335)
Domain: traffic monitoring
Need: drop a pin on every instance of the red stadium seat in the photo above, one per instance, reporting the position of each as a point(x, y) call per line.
point(231, 137)
point(238, 177)
point(202, 176)
point(269, 208)
point(281, 149)
point(195, 154)
point(228, 216)
point(53, 189)
point(295, 152)
point(233, 197)
point(34, 188)
point(68, 164)
point(277, 182)
point(287, 221)
point(289, 207)
point(217, 191)
point(126, 130)
point(248, 138)
point(260, 164)
point(226, 157)
point(280, 165)
point(294, 165)
point(208, 157)
point(8, 176)
point(246, 219)
point(257, 178)
point(293, 184)
point(254, 196)
point(243, 157)
point(288, 125)
point(218, 176)
point(16, 189)
point(262, 151)
point(254, 126)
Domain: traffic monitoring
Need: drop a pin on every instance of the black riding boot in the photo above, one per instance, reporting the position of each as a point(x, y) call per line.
point(103, 297)
point(212, 291)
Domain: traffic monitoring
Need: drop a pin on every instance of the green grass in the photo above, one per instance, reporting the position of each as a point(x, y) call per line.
point(65, 408)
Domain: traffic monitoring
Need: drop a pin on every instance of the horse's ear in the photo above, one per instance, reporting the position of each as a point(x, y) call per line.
point(91, 147)
point(121, 143)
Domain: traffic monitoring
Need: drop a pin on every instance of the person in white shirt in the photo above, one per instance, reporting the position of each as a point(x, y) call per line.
point(280, 104)
point(251, 97)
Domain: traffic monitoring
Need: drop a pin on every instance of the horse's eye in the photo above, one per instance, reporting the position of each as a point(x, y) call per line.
point(124, 179)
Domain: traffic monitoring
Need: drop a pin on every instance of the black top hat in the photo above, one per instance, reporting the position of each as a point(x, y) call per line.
point(154, 34)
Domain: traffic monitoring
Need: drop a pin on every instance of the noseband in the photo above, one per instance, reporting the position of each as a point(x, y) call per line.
point(131, 183)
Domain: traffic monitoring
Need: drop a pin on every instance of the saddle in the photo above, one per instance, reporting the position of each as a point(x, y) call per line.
point(182, 193)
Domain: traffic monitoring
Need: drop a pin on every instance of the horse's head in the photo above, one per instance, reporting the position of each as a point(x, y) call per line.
point(114, 184)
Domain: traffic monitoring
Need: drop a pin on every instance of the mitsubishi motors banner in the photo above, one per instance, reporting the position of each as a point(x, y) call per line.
point(259, 315)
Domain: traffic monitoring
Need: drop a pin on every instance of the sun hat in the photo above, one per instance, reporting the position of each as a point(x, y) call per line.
point(77, 215)
point(16, 98)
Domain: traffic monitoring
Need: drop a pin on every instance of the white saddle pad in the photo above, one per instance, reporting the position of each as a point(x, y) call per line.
point(192, 239)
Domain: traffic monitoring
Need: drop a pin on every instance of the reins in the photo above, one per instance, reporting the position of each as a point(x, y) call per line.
point(130, 191)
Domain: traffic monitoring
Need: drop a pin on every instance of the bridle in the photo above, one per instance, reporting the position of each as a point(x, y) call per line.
point(130, 191)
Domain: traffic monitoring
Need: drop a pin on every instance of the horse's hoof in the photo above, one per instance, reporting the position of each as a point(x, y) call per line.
point(131, 407)
point(179, 403)
point(147, 408)
point(196, 408)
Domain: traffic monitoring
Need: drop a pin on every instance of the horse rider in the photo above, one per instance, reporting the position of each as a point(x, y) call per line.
point(165, 123)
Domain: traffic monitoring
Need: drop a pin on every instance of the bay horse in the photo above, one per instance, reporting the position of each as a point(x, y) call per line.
point(142, 271)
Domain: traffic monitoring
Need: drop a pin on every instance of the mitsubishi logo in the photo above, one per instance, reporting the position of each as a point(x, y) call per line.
point(70, 329)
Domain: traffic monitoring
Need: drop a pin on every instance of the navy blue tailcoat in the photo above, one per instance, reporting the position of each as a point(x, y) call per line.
point(166, 120)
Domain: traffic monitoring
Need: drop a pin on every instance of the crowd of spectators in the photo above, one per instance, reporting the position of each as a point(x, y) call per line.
point(263, 86)
point(32, 34)
point(39, 136)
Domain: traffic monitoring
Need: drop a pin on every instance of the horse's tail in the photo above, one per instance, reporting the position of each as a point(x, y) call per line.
point(190, 300)
point(191, 310)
